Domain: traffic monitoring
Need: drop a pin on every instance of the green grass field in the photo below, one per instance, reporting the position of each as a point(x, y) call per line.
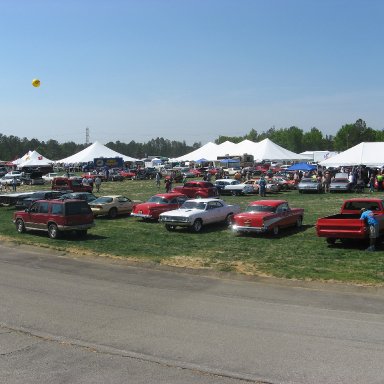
point(294, 254)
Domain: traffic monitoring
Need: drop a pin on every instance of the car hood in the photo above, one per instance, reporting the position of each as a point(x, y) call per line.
point(183, 212)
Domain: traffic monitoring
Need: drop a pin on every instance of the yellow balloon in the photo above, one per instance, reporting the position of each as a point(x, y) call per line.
point(36, 82)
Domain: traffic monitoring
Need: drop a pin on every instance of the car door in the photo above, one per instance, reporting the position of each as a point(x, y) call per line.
point(124, 204)
point(190, 189)
point(285, 214)
point(38, 215)
point(215, 212)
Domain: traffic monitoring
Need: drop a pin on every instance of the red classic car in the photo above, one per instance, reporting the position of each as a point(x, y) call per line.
point(157, 204)
point(128, 173)
point(267, 216)
point(197, 189)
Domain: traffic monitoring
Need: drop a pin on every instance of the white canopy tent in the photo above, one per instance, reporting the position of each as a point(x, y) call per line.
point(369, 154)
point(227, 148)
point(95, 150)
point(34, 159)
point(268, 150)
point(207, 151)
point(22, 159)
point(263, 150)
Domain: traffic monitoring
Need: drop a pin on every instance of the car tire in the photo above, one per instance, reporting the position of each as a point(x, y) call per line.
point(81, 233)
point(20, 227)
point(234, 193)
point(53, 231)
point(170, 227)
point(197, 225)
point(275, 231)
point(299, 222)
point(112, 213)
point(229, 219)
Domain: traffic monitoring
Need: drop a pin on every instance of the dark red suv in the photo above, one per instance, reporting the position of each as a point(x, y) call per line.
point(55, 216)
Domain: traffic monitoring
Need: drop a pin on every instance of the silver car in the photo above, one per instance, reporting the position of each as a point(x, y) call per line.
point(310, 185)
point(340, 184)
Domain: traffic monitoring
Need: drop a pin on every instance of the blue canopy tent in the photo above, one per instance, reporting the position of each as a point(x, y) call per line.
point(301, 167)
point(228, 162)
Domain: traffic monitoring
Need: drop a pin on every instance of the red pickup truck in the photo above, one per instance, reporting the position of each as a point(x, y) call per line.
point(347, 224)
point(70, 184)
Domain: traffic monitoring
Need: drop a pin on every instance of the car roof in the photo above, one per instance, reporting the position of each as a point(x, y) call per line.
point(170, 195)
point(112, 196)
point(206, 200)
point(61, 201)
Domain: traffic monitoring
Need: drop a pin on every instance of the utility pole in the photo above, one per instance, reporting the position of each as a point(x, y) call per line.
point(87, 136)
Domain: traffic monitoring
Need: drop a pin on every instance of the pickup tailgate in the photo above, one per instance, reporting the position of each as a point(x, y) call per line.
point(347, 226)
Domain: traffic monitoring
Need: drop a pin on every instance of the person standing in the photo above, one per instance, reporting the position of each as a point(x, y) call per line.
point(97, 183)
point(14, 184)
point(262, 186)
point(372, 183)
point(368, 216)
point(158, 178)
point(379, 179)
point(167, 185)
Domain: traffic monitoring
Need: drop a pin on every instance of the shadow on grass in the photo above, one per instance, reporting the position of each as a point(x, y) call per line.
point(68, 235)
point(118, 217)
point(354, 244)
point(284, 232)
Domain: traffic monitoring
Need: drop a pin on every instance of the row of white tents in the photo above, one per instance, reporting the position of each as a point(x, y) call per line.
point(369, 154)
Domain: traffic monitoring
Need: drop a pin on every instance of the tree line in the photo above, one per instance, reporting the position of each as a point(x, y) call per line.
point(292, 138)
point(296, 140)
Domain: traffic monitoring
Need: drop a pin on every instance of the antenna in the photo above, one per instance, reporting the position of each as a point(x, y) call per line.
point(87, 135)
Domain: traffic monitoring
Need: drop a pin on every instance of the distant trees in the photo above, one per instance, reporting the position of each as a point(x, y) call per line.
point(352, 134)
point(292, 138)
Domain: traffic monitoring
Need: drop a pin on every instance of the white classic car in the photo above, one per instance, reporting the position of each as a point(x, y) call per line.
point(233, 187)
point(198, 212)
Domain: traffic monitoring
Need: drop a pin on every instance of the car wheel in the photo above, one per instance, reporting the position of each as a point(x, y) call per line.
point(330, 240)
point(20, 227)
point(112, 213)
point(170, 228)
point(275, 231)
point(82, 233)
point(53, 231)
point(234, 193)
point(197, 225)
point(299, 222)
point(229, 219)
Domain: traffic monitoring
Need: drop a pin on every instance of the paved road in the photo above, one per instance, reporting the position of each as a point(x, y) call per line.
point(78, 320)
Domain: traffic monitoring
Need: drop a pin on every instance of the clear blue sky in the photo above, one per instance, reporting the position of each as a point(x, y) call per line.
point(188, 69)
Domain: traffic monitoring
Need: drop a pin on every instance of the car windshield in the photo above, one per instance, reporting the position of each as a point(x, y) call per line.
point(341, 181)
point(102, 200)
point(76, 182)
point(158, 200)
point(194, 205)
point(309, 181)
point(260, 208)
